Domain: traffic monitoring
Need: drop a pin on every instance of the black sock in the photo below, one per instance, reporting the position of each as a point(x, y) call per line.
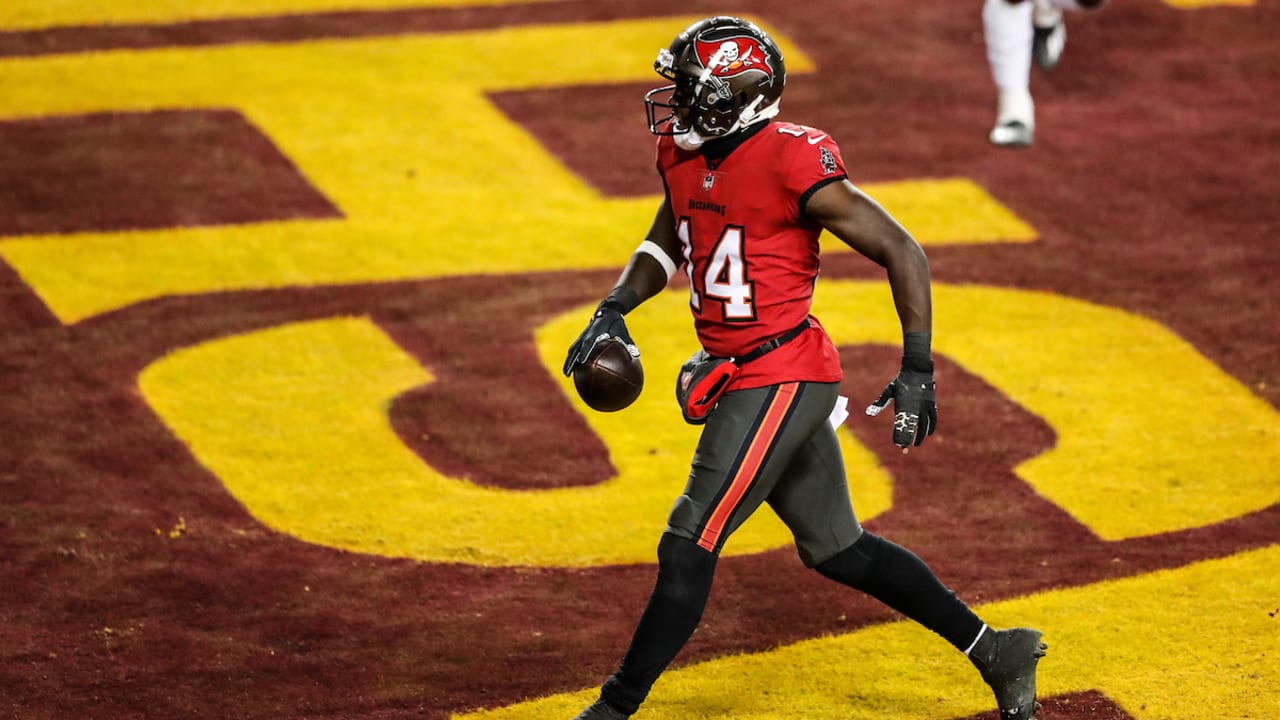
point(983, 653)
point(898, 578)
point(685, 572)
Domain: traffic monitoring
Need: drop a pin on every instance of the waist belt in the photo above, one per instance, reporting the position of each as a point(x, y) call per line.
point(769, 346)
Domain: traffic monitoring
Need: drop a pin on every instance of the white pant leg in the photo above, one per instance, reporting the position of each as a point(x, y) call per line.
point(1007, 30)
point(1047, 13)
point(1008, 34)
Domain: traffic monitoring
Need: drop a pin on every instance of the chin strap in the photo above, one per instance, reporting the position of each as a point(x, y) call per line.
point(751, 116)
point(689, 140)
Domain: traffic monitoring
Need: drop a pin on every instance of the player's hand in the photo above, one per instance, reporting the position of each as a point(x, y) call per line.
point(606, 323)
point(915, 407)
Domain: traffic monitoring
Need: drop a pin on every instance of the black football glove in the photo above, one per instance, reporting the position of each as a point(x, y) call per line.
point(606, 323)
point(915, 407)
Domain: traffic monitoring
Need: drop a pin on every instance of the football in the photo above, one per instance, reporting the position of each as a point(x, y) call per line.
point(611, 379)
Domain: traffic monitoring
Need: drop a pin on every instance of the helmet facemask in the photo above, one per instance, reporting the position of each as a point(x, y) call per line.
point(726, 75)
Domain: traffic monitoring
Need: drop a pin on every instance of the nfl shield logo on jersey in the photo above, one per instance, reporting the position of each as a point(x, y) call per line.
point(707, 182)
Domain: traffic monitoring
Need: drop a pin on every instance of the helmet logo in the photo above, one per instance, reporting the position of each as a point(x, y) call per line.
point(733, 57)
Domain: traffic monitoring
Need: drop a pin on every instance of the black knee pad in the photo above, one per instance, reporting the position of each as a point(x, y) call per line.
point(679, 554)
point(685, 572)
point(852, 565)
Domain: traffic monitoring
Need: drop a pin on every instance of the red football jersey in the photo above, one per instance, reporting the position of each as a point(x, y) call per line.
point(751, 257)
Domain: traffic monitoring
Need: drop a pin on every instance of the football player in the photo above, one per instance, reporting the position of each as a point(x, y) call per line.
point(1016, 32)
point(746, 199)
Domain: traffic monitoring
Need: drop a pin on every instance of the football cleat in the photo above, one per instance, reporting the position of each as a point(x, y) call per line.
point(600, 710)
point(1011, 672)
point(1013, 134)
point(1048, 44)
point(1015, 119)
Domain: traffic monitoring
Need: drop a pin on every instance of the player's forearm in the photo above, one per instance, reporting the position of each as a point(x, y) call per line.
point(642, 278)
point(908, 271)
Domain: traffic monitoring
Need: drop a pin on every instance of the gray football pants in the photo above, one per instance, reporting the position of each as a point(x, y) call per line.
point(772, 444)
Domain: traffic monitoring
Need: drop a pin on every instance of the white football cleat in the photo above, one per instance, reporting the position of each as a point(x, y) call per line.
point(1015, 120)
point(1013, 134)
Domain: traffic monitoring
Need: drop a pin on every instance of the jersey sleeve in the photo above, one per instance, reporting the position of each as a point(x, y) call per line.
point(814, 162)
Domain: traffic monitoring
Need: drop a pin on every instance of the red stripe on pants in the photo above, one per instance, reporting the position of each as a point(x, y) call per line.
point(750, 467)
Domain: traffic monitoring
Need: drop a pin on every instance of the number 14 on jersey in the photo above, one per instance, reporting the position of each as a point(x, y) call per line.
point(725, 276)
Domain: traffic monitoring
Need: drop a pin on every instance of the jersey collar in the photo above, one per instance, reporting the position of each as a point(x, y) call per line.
point(715, 151)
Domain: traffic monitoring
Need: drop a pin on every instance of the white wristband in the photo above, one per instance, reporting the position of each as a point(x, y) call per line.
point(653, 250)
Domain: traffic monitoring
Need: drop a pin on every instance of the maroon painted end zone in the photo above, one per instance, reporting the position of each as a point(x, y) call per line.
point(1091, 704)
point(1151, 185)
point(121, 171)
point(287, 28)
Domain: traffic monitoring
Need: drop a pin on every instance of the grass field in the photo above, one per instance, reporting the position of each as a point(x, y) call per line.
point(285, 288)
